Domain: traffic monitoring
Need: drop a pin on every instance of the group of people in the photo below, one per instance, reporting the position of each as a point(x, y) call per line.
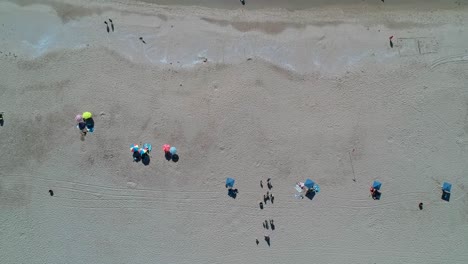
point(85, 123)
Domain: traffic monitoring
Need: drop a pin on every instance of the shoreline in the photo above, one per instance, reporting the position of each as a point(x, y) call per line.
point(297, 5)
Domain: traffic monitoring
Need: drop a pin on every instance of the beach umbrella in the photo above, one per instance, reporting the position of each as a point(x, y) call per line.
point(230, 182)
point(173, 150)
point(166, 147)
point(446, 187)
point(78, 118)
point(134, 148)
point(143, 151)
point(148, 147)
point(309, 183)
point(316, 188)
point(87, 115)
point(376, 185)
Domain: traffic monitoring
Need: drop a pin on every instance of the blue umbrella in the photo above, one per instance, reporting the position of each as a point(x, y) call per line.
point(316, 188)
point(309, 183)
point(230, 182)
point(173, 150)
point(376, 185)
point(148, 147)
point(446, 187)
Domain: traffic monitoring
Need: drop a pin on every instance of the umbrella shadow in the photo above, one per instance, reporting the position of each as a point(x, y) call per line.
point(376, 195)
point(90, 123)
point(136, 156)
point(445, 196)
point(169, 156)
point(232, 193)
point(145, 160)
point(310, 195)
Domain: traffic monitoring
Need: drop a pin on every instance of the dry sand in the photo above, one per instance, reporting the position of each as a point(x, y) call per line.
point(283, 95)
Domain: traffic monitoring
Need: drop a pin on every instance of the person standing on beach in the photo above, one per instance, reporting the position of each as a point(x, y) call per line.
point(242, 2)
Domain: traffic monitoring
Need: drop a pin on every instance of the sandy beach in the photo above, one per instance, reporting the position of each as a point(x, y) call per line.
point(287, 92)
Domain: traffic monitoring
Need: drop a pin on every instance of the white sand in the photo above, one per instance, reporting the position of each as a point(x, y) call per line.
point(320, 83)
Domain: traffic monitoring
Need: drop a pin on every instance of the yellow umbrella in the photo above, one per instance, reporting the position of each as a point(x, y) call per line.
point(87, 115)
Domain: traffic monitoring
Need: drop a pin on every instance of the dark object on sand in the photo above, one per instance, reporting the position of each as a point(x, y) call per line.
point(266, 224)
point(391, 42)
point(233, 193)
point(261, 183)
point(383, 1)
point(273, 227)
point(51, 193)
point(261, 205)
point(446, 190)
point(141, 38)
point(1, 118)
point(420, 206)
point(175, 158)
point(265, 199)
point(242, 2)
point(136, 156)
point(168, 156)
point(272, 198)
point(107, 25)
point(267, 239)
point(256, 241)
point(112, 24)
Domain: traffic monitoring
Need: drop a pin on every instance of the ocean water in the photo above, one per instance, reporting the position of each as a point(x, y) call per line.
point(304, 4)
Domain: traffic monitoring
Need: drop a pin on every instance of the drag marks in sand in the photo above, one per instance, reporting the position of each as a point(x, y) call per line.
point(462, 58)
point(89, 196)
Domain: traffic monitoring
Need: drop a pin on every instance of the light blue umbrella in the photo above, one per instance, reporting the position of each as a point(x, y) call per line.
point(173, 150)
point(376, 185)
point(230, 182)
point(446, 187)
point(148, 147)
point(309, 183)
point(316, 188)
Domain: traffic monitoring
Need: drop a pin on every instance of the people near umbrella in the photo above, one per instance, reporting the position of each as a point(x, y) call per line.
point(141, 152)
point(81, 125)
point(375, 190)
point(88, 119)
point(170, 153)
point(446, 191)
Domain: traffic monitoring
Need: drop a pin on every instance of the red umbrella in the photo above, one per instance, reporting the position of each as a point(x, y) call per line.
point(166, 148)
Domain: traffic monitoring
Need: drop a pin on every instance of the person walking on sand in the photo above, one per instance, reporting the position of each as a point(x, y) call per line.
point(420, 206)
point(261, 183)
